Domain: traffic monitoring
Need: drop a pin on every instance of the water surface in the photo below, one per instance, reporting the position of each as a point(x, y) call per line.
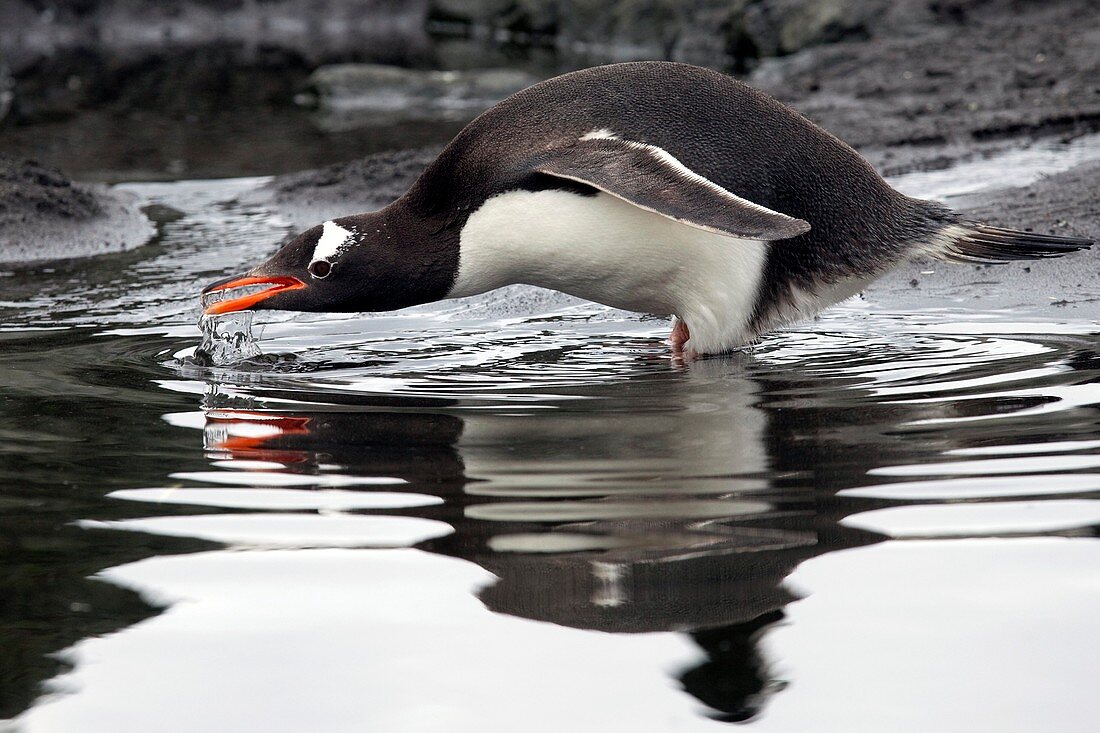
point(519, 512)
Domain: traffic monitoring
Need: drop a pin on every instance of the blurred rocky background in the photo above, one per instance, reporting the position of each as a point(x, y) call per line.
point(164, 89)
point(124, 90)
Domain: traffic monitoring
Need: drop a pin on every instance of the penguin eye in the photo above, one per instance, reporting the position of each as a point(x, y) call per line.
point(320, 269)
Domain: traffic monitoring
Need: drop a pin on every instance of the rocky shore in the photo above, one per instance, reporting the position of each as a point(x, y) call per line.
point(45, 216)
point(921, 85)
point(913, 85)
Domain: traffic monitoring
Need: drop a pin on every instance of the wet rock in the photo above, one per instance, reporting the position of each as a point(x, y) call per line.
point(45, 216)
point(963, 73)
point(1064, 204)
point(313, 196)
point(351, 95)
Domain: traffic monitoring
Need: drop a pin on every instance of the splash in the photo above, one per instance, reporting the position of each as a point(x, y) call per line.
point(226, 338)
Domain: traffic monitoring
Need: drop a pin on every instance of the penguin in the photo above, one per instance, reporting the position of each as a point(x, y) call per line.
point(655, 187)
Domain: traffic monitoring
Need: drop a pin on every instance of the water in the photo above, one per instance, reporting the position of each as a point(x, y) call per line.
point(520, 513)
point(1025, 164)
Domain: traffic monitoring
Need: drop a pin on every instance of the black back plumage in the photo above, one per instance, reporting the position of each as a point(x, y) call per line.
point(736, 136)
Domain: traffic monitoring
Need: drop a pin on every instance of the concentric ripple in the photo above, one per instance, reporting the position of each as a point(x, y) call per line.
point(549, 456)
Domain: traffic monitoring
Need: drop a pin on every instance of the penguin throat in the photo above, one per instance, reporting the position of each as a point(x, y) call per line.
point(603, 249)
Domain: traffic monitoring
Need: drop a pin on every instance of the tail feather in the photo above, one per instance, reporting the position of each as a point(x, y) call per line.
point(982, 243)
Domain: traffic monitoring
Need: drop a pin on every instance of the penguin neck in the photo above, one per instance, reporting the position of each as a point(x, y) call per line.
point(403, 257)
point(603, 249)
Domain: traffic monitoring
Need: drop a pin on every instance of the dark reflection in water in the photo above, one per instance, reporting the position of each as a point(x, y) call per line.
point(654, 497)
point(676, 500)
point(642, 506)
point(66, 436)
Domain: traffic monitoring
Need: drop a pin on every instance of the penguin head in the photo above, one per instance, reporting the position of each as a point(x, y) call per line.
point(368, 262)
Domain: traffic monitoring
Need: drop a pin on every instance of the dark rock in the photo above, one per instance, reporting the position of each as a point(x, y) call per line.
point(924, 83)
point(631, 28)
point(472, 11)
point(32, 32)
point(696, 32)
point(717, 33)
point(45, 216)
point(7, 90)
point(781, 27)
point(310, 197)
point(598, 30)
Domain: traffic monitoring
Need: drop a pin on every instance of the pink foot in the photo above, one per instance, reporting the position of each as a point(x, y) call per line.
point(680, 335)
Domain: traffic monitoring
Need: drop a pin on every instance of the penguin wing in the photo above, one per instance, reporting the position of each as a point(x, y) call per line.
point(651, 178)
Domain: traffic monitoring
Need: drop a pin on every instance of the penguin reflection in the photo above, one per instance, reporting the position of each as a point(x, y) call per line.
point(637, 506)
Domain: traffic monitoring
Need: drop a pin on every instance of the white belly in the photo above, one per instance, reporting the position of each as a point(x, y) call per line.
point(606, 250)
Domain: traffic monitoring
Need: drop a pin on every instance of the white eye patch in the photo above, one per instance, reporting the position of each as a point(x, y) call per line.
point(333, 239)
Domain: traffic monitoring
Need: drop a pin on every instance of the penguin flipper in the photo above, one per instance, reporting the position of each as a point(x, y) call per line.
point(652, 179)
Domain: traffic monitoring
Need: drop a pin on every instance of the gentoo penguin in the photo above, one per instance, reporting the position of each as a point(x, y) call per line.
point(654, 187)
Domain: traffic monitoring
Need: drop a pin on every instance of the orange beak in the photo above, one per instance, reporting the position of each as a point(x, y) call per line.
point(278, 285)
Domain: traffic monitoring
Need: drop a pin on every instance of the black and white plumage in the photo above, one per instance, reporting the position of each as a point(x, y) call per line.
point(655, 187)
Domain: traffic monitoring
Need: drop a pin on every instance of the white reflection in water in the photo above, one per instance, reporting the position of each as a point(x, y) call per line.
point(287, 530)
point(967, 487)
point(1014, 465)
point(1051, 398)
point(977, 635)
point(350, 641)
point(270, 478)
point(1008, 517)
point(396, 641)
point(246, 465)
point(279, 499)
point(1057, 446)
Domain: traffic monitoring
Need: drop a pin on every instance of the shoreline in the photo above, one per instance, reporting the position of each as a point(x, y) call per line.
point(918, 91)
